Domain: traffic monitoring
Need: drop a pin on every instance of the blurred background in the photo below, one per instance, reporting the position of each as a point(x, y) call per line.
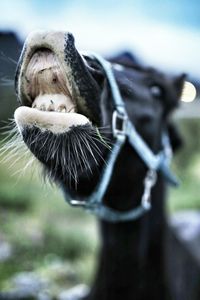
point(44, 244)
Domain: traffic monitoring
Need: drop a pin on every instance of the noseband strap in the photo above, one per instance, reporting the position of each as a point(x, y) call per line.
point(154, 162)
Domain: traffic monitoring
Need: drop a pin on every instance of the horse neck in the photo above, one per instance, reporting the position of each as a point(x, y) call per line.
point(126, 251)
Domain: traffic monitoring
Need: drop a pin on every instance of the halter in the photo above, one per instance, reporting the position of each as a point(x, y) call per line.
point(123, 130)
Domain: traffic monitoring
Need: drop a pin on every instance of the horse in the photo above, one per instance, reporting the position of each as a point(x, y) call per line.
point(103, 131)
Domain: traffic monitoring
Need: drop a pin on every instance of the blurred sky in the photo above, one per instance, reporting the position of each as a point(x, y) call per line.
point(162, 32)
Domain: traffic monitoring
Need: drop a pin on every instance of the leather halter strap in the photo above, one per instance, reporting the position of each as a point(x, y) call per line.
point(154, 162)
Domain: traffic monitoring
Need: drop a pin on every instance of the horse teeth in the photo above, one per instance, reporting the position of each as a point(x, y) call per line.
point(42, 107)
point(63, 110)
point(51, 107)
point(53, 103)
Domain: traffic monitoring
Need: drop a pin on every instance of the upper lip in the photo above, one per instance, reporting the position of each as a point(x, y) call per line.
point(52, 41)
point(82, 85)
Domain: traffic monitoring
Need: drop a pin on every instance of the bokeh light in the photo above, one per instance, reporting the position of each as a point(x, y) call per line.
point(189, 92)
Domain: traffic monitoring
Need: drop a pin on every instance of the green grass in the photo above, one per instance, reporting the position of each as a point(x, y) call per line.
point(187, 166)
point(187, 195)
point(43, 229)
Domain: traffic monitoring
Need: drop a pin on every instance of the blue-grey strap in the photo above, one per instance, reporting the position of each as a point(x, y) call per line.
point(154, 162)
point(117, 99)
point(160, 161)
point(96, 197)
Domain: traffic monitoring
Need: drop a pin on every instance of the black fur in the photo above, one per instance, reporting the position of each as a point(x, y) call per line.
point(131, 254)
point(66, 156)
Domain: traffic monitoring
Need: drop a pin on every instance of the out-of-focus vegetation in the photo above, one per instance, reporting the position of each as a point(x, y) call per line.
point(46, 235)
point(187, 167)
point(59, 242)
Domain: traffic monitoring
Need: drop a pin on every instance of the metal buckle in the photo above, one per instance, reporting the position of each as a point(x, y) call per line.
point(83, 203)
point(119, 118)
point(74, 202)
point(149, 182)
